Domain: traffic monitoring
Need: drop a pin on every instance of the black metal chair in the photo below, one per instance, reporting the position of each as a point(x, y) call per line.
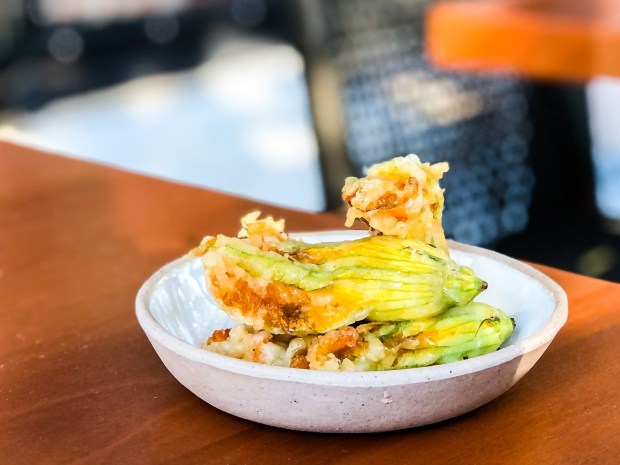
point(375, 96)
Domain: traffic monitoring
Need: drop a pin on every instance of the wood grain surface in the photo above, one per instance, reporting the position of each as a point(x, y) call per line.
point(80, 383)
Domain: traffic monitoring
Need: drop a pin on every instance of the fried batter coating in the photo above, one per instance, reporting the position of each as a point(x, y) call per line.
point(458, 334)
point(400, 197)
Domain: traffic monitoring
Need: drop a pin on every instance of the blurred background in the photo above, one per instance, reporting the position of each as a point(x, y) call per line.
point(280, 100)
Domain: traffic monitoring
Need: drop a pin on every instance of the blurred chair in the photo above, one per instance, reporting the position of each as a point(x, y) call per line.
point(375, 96)
point(561, 45)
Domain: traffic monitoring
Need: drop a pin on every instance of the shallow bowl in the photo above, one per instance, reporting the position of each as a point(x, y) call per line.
point(178, 314)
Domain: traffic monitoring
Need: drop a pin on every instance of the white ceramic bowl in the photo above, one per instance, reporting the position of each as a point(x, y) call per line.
point(177, 314)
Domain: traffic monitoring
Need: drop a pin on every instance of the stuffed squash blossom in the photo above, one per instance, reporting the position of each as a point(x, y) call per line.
point(395, 299)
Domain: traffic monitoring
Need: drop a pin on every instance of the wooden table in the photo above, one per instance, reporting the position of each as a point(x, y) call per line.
point(80, 384)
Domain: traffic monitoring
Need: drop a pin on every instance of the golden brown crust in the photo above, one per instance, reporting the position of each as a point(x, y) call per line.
point(219, 335)
point(400, 197)
point(265, 233)
point(333, 345)
point(300, 360)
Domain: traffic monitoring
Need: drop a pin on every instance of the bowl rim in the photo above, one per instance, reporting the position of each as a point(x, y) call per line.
point(540, 338)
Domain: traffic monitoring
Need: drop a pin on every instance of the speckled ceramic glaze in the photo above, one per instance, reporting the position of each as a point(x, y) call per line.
point(177, 314)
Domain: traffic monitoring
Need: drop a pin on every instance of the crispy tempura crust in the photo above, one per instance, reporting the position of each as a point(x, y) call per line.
point(400, 197)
